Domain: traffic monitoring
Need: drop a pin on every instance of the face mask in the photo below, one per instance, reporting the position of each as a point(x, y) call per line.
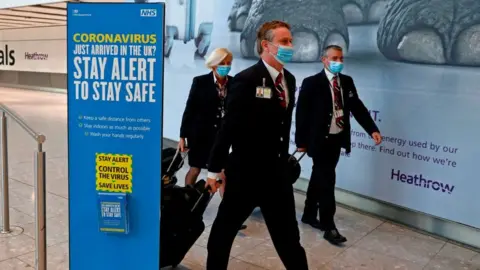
point(335, 67)
point(284, 54)
point(223, 71)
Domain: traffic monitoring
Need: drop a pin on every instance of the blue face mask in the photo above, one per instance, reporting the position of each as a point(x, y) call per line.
point(223, 71)
point(284, 54)
point(335, 67)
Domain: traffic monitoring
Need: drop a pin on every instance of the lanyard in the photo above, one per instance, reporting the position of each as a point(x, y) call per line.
point(222, 94)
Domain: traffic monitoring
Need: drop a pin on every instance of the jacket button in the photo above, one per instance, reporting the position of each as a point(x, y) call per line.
point(326, 137)
point(214, 125)
point(281, 139)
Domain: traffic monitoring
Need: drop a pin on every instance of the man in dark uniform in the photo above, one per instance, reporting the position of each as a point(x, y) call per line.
point(322, 128)
point(257, 126)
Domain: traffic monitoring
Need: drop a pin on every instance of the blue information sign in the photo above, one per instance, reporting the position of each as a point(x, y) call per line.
point(115, 92)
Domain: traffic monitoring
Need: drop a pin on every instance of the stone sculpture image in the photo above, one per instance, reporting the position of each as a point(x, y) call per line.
point(356, 11)
point(238, 15)
point(431, 32)
point(315, 24)
point(359, 12)
point(419, 31)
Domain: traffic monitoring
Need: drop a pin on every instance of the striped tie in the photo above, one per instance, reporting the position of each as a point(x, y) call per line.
point(280, 90)
point(338, 101)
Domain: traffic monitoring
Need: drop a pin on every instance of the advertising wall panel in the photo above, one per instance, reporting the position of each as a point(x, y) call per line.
point(419, 80)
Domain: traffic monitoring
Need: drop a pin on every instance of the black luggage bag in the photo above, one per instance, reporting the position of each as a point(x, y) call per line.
point(293, 168)
point(182, 209)
point(181, 221)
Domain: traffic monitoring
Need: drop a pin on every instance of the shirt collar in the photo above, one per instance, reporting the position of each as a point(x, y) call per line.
point(273, 72)
point(329, 74)
point(215, 78)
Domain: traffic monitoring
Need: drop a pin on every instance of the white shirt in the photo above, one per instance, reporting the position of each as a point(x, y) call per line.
point(274, 73)
point(334, 129)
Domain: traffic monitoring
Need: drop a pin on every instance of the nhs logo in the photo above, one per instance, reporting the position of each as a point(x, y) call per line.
point(148, 13)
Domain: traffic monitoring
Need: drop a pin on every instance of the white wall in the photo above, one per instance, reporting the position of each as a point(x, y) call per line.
point(39, 49)
point(20, 3)
point(36, 33)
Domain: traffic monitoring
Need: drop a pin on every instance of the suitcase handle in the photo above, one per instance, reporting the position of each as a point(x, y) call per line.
point(166, 178)
point(175, 157)
point(205, 192)
point(300, 158)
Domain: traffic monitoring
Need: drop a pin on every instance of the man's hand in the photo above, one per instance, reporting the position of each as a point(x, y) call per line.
point(377, 138)
point(212, 185)
point(222, 176)
point(182, 145)
point(301, 150)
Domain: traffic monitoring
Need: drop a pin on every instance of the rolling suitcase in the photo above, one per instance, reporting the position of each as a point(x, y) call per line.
point(181, 221)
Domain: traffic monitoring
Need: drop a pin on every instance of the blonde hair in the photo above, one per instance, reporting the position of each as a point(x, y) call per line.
point(217, 56)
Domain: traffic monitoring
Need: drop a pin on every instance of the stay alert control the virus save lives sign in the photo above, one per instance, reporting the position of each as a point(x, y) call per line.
point(114, 172)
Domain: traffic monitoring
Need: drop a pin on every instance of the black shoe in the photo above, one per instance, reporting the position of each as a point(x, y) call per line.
point(314, 222)
point(243, 227)
point(334, 237)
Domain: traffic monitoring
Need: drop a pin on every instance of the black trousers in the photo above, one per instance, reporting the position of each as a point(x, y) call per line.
point(275, 198)
point(321, 188)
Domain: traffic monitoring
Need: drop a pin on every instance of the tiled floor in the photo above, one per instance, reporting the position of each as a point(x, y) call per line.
point(373, 243)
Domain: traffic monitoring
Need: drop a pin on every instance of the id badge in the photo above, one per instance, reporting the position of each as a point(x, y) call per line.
point(338, 113)
point(263, 92)
point(259, 92)
point(267, 93)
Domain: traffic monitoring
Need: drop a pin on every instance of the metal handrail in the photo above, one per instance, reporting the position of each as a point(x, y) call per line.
point(38, 137)
point(40, 190)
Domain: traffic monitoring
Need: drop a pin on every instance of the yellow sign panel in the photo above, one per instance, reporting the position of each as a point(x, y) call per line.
point(114, 172)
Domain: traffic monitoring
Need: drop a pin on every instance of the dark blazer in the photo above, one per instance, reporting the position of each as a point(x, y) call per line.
point(258, 129)
point(201, 118)
point(315, 111)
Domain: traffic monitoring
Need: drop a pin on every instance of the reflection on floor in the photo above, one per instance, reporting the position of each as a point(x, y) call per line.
point(373, 243)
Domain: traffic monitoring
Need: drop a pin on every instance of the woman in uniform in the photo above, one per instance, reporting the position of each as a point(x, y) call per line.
point(204, 111)
point(203, 114)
